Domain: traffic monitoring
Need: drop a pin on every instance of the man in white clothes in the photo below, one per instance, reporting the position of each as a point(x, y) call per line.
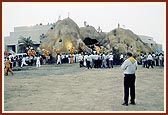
point(129, 66)
point(150, 59)
point(38, 61)
point(80, 59)
point(23, 61)
point(111, 60)
point(58, 59)
point(88, 61)
point(121, 58)
point(84, 59)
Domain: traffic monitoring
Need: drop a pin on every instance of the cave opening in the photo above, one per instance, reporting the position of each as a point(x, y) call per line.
point(88, 41)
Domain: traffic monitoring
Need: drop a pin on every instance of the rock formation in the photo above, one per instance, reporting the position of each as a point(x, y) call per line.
point(64, 36)
point(125, 40)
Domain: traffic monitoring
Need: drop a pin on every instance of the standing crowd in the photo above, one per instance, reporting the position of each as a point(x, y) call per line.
point(85, 59)
point(151, 60)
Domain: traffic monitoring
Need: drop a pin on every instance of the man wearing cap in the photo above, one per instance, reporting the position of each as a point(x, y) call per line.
point(129, 66)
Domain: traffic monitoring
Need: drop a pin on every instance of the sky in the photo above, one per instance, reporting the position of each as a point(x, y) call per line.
point(143, 18)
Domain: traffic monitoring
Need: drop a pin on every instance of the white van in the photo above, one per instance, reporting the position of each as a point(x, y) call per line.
point(21, 55)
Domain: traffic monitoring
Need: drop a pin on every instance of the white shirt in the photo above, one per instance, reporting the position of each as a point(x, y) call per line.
point(85, 57)
point(59, 57)
point(110, 57)
point(121, 56)
point(80, 57)
point(38, 60)
point(89, 58)
point(129, 67)
point(23, 59)
point(95, 57)
point(150, 57)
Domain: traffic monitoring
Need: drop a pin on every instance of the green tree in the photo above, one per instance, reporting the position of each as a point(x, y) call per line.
point(24, 43)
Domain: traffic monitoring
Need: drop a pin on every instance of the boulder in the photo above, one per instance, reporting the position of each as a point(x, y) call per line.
point(125, 40)
point(63, 37)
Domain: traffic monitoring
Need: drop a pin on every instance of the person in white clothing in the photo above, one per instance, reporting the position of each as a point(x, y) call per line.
point(80, 59)
point(121, 58)
point(23, 61)
point(129, 66)
point(84, 59)
point(38, 61)
point(150, 59)
point(111, 60)
point(58, 59)
point(88, 61)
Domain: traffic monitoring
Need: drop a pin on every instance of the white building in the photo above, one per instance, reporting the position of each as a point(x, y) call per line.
point(151, 43)
point(34, 32)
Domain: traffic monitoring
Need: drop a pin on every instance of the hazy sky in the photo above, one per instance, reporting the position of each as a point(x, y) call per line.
point(145, 18)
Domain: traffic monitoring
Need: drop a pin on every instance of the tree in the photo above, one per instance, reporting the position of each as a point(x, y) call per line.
point(24, 43)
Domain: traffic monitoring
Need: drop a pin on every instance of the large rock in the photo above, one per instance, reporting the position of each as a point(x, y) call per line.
point(63, 36)
point(125, 40)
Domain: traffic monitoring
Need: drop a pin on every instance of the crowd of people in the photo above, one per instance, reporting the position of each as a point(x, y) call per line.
point(91, 60)
point(85, 59)
point(151, 60)
point(107, 60)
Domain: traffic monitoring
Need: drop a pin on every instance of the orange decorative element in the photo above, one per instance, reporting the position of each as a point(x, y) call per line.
point(45, 52)
point(31, 52)
point(68, 45)
point(71, 50)
point(98, 49)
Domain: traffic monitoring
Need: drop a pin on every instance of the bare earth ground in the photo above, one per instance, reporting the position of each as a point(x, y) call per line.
point(70, 88)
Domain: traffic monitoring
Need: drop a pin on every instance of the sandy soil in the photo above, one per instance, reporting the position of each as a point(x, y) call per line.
point(70, 88)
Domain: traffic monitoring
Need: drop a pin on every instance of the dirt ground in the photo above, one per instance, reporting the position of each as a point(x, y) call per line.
point(70, 88)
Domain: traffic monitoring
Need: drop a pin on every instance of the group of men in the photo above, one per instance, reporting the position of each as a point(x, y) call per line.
point(152, 59)
point(96, 60)
point(21, 62)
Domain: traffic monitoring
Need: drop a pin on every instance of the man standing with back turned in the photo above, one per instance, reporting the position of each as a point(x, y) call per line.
point(129, 66)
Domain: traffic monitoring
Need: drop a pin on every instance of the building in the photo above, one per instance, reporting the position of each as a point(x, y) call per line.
point(151, 43)
point(34, 32)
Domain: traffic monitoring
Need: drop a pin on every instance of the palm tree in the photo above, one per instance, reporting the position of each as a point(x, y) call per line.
point(24, 43)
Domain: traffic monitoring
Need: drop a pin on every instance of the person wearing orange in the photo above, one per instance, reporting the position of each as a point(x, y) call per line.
point(7, 67)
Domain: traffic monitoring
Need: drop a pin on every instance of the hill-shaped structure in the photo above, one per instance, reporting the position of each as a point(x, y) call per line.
point(125, 40)
point(63, 37)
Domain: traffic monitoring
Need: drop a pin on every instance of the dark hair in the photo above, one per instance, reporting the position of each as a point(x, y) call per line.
point(129, 54)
